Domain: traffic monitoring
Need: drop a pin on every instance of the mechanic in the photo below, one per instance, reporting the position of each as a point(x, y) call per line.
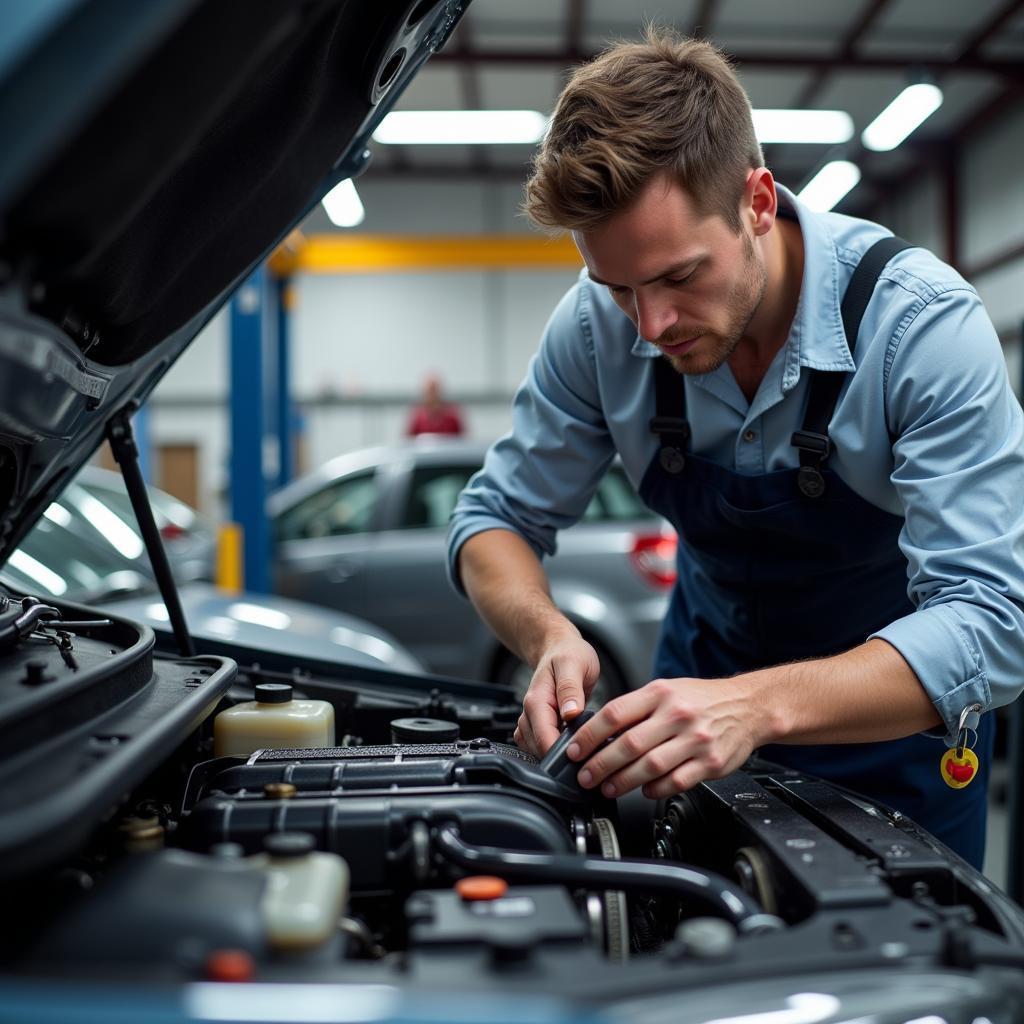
point(818, 434)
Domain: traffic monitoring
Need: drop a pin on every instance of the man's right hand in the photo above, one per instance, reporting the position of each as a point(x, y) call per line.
point(562, 682)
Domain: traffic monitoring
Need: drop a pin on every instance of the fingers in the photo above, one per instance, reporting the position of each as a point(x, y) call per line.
point(557, 692)
point(673, 766)
point(680, 779)
point(616, 716)
point(524, 736)
point(571, 674)
point(645, 752)
point(541, 716)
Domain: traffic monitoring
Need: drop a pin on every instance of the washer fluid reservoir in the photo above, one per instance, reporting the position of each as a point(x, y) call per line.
point(273, 720)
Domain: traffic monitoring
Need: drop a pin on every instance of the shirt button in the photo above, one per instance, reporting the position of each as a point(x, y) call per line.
point(749, 435)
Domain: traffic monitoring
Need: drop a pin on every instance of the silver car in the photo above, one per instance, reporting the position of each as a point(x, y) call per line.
point(69, 556)
point(365, 533)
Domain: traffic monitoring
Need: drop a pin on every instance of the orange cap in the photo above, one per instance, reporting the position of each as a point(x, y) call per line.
point(230, 965)
point(481, 887)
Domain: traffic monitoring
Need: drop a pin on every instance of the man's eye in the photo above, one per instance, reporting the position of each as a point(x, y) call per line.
point(680, 280)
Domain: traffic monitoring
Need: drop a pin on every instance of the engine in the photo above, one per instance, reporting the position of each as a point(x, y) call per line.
point(421, 846)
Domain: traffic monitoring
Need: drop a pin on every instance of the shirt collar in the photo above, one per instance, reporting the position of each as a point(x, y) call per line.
point(816, 339)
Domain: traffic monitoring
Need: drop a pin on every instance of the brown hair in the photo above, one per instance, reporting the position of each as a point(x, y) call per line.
point(667, 103)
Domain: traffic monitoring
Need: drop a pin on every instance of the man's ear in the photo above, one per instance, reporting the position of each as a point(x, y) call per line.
point(760, 202)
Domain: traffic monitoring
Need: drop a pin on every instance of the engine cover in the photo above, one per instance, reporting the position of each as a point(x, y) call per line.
point(370, 804)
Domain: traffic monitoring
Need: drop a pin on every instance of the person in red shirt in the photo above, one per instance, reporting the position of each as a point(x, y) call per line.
point(434, 415)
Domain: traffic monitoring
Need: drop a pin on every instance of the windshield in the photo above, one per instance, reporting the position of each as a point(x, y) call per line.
point(57, 559)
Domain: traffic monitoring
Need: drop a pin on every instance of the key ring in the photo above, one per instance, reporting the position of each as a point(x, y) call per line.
point(969, 719)
point(961, 741)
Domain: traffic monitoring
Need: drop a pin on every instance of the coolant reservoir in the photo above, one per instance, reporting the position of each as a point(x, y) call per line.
point(273, 719)
point(306, 894)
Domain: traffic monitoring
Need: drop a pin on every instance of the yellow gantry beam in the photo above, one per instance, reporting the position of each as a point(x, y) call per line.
point(374, 254)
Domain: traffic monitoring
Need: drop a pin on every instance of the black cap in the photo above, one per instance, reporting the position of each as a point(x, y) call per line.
point(273, 693)
point(423, 730)
point(289, 844)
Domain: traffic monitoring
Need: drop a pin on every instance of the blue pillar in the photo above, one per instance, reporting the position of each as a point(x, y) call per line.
point(140, 427)
point(249, 325)
point(285, 434)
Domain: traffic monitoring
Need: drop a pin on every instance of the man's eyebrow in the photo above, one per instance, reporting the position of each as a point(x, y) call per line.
point(671, 272)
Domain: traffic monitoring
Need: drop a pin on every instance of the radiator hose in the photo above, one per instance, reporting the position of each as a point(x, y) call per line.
point(723, 898)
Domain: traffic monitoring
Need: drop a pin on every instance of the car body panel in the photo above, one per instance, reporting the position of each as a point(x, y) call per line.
point(273, 624)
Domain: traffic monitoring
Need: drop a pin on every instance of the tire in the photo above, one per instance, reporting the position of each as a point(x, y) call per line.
point(510, 671)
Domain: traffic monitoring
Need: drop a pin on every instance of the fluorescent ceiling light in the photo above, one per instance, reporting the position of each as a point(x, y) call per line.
point(829, 185)
point(825, 126)
point(465, 127)
point(913, 106)
point(494, 127)
point(343, 205)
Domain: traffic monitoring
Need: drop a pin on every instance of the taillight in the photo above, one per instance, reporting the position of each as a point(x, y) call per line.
point(654, 556)
point(171, 531)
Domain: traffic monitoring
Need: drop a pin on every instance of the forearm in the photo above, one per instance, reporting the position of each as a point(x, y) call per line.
point(509, 589)
point(864, 695)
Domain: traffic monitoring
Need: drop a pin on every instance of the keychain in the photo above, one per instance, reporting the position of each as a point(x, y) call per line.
point(959, 765)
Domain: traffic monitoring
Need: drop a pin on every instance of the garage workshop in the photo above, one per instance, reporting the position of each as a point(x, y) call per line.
point(512, 511)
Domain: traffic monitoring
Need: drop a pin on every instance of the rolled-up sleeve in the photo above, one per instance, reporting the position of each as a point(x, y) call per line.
point(539, 477)
point(958, 469)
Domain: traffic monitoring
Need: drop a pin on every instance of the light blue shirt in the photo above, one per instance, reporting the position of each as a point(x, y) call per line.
point(927, 428)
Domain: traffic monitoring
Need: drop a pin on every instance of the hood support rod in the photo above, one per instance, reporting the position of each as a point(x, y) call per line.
point(126, 452)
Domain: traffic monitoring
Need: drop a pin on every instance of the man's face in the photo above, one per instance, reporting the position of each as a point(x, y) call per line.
point(686, 280)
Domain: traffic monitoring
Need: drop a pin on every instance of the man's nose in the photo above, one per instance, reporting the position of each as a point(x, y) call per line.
point(654, 315)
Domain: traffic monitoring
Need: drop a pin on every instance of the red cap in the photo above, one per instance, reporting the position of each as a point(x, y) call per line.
point(481, 887)
point(230, 965)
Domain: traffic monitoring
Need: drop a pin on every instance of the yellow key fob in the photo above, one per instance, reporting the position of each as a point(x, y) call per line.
point(958, 772)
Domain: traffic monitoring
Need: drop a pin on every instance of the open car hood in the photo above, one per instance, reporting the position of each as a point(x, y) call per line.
point(153, 154)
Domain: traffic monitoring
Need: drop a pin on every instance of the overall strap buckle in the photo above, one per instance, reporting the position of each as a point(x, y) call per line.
point(669, 419)
point(814, 449)
point(674, 434)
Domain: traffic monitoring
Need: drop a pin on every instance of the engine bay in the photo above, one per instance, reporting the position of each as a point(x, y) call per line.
point(422, 847)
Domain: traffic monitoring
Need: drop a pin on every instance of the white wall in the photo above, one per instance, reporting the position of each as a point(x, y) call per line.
point(362, 343)
point(916, 214)
point(991, 221)
point(993, 200)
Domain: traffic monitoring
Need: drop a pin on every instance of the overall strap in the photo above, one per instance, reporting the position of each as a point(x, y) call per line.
point(669, 419)
point(812, 439)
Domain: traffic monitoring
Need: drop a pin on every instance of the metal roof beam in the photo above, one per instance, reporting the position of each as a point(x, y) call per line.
point(705, 19)
point(847, 50)
point(575, 18)
point(1011, 69)
point(990, 28)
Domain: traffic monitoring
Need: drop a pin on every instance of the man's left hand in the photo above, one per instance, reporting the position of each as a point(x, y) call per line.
point(670, 735)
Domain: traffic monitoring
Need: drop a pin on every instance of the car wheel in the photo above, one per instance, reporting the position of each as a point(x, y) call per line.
point(512, 672)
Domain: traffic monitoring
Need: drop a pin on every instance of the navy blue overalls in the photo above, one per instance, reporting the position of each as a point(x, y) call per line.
point(793, 565)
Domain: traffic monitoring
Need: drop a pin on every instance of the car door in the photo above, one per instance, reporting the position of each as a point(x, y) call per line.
point(408, 592)
point(324, 540)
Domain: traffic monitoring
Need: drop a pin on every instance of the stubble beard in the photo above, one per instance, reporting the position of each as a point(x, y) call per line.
point(715, 347)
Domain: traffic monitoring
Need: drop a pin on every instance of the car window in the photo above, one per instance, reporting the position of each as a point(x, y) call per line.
point(615, 500)
point(342, 507)
point(433, 492)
